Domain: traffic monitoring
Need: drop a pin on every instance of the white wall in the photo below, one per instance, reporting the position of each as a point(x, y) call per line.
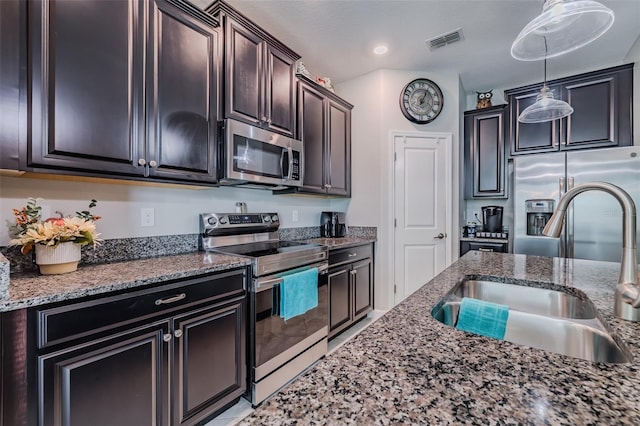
point(176, 209)
point(376, 114)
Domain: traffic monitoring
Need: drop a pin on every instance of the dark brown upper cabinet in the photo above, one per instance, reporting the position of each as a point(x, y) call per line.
point(484, 153)
point(324, 126)
point(602, 103)
point(259, 73)
point(12, 41)
point(99, 106)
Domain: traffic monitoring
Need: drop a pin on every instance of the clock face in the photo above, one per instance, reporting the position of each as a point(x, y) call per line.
point(421, 101)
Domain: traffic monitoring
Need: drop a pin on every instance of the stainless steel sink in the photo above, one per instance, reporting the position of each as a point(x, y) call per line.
point(534, 300)
point(541, 318)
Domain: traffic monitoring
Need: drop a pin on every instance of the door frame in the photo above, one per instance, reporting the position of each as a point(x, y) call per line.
point(449, 194)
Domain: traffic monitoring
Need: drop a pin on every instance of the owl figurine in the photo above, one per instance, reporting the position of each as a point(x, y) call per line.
point(484, 99)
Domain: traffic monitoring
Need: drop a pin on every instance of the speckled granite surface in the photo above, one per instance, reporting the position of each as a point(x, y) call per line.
point(343, 242)
point(408, 368)
point(4, 277)
point(30, 289)
point(311, 232)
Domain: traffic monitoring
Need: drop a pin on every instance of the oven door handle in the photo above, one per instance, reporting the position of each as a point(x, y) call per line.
point(267, 283)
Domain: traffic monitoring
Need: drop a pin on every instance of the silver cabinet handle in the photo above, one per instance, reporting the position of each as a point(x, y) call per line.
point(177, 333)
point(166, 337)
point(485, 249)
point(353, 254)
point(328, 186)
point(152, 163)
point(354, 272)
point(173, 299)
point(264, 118)
point(142, 162)
point(440, 236)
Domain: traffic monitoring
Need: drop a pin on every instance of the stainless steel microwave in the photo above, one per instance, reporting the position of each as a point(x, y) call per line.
point(251, 155)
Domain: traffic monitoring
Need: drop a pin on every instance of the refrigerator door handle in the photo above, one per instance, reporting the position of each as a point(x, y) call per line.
point(562, 188)
point(569, 229)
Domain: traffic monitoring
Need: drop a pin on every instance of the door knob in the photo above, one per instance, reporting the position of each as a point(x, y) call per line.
point(440, 236)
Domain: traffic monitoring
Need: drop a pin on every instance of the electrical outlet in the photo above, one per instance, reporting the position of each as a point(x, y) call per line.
point(294, 216)
point(147, 217)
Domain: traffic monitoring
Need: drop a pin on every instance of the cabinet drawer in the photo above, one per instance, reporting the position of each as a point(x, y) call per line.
point(465, 246)
point(71, 321)
point(350, 254)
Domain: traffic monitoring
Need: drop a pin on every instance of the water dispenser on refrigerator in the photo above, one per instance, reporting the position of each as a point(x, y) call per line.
point(538, 214)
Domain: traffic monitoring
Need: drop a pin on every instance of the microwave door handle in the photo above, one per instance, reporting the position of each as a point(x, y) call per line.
point(290, 174)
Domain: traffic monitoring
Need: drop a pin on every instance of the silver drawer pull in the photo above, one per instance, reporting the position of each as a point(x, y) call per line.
point(353, 254)
point(178, 333)
point(166, 337)
point(485, 249)
point(173, 299)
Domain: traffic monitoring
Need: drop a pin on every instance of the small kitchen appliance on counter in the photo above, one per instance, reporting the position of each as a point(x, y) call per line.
point(492, 219)
point(333, 224)
point(281, 346)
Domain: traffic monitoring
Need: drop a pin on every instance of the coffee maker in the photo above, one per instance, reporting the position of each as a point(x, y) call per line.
point(538, 214)
point(492, 219)
point(333, 224)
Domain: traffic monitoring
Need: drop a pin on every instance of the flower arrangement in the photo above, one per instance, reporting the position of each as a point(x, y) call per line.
point(30, 229)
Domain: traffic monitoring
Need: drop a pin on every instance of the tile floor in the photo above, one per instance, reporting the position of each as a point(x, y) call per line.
point(243, 408)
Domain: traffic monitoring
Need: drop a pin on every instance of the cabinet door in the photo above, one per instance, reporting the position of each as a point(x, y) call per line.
point(182, 105)
point(339, 298)
point(119, 380)
point(280, 94)
point(210, 367)
point(12, 39)
point(312, 133)
point(485, 154)
point(243, 85)
point(338, 170)
point(87, 71)
point(362, 273)
point(531, 137)
point(592, 123)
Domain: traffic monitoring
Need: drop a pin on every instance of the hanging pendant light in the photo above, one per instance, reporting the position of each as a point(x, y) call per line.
point(566, 25)
point(546, 107)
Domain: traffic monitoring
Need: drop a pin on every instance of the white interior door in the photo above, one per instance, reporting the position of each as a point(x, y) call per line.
point(422, 206)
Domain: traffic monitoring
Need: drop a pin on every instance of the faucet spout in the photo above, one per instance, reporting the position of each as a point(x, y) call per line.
point(627, 298)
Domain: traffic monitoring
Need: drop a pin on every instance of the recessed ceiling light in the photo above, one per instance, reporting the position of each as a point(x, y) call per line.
point(380, 50)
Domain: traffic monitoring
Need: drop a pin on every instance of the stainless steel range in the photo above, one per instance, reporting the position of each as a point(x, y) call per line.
point(279, 349)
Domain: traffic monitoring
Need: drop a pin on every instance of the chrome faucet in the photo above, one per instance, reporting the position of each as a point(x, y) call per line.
point(627, 295)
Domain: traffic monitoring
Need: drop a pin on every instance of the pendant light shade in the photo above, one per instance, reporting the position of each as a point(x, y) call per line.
point(546, 108)
point(562, 27)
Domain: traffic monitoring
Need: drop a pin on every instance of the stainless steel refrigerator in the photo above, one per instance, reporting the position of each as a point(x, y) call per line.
point(593, 225)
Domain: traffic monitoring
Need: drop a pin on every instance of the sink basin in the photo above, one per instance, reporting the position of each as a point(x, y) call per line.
point(541, 318)
point(534, 300)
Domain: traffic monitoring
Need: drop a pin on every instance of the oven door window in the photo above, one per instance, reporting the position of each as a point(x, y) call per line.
point(273, 335)
point(258, 158)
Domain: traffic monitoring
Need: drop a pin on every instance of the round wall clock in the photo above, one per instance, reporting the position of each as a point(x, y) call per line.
point(421, 101)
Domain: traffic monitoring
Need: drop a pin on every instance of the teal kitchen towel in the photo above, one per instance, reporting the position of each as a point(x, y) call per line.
point(484, 318)
point(298, 293)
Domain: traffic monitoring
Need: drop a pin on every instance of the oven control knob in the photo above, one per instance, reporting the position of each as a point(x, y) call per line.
point(212, 220)
point(223, 220)
point(274, 218)
point(266, 218)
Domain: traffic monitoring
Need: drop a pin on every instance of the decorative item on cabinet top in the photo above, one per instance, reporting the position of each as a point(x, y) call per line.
point(484, 99)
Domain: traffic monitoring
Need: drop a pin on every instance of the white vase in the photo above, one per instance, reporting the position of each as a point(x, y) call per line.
point(58, 260)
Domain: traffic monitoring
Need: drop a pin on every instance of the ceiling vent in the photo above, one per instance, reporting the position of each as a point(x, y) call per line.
point(445, 39)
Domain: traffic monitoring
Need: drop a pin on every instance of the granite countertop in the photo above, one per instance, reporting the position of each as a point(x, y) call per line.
point(342, 242)
point(408, 368)
point(31, 289)
point(485, 240)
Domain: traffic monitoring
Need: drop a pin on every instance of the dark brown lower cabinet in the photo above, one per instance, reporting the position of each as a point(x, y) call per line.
point(172, 355)
point(350, 286)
